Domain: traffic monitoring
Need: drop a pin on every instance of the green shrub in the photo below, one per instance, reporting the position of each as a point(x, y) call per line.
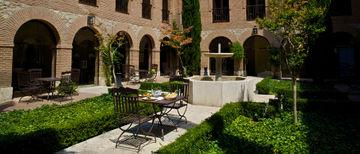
point(203, 137)
point(51, 128)
point(165, 86)
point(279, 134)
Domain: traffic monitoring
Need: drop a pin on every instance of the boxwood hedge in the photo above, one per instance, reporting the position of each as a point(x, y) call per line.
point(51, 128)
point(203, 137)
point(234, 130)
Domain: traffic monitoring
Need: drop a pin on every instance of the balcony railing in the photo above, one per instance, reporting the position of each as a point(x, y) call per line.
point(221, 15)
point(146, 10)
point(121, 6)
point(255, 11)
point(88, 2)
point(165, 15)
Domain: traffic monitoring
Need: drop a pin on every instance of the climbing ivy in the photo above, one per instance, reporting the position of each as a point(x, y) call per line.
point(192, 53)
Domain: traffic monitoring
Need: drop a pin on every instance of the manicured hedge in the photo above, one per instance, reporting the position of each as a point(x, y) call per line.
point(233, 130)
point(51, 128)
point(311, 97)
point(165, 86)
point(203, 137)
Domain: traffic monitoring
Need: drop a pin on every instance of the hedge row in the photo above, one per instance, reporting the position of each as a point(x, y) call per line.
point(165, 86)
point(305, 89)
point(203, 137)
point(234, 130)
point(51, 128)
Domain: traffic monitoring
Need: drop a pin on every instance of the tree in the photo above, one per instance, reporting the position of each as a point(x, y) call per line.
point(191, 18)
point(108, 46)
point(297, 23)
point(176, 38)
point(239, 54)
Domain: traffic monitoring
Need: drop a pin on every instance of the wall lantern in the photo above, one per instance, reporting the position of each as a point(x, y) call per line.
point(255, 31)
point(91, 20)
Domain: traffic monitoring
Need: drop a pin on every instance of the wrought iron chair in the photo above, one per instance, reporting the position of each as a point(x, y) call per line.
point(66, 88)
point(75, 75)
point(182, 90)
point(27, 83)
point(152, 73)
point(129, 112)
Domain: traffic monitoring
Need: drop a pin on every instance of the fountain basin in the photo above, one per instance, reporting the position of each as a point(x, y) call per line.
point(218, 93)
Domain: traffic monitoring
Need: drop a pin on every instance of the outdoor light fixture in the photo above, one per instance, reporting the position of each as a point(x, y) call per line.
point(255, 31)
point(91, 20)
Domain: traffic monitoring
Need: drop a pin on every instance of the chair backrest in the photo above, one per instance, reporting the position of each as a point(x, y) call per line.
point(66, 76)
point(22, 79)
point(34, 73)
point(126, 101)
point(182, 89)
point(75, 75)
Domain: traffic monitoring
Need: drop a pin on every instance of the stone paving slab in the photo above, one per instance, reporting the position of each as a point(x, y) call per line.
point(104, 143)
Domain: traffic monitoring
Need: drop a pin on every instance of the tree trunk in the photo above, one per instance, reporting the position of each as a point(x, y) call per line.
point(295, 99)
point(112, 65)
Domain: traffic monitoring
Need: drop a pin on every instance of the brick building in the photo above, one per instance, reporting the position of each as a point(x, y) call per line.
point(60, 35)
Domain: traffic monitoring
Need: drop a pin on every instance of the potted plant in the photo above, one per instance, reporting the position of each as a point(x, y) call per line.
point(239, 55)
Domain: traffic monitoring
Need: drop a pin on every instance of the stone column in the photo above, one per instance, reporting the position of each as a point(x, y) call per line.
point(6, 61)
point(63, 59)
point(205, 62)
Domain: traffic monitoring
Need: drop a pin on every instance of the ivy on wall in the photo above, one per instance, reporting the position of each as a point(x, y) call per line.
point(192, 53)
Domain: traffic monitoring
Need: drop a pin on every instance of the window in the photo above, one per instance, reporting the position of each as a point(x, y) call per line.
point(165, 11)
point(88, 2)
point(122, 6)
point(146, 9)
point(255, 9)
point(221, 11)
point(341, 8)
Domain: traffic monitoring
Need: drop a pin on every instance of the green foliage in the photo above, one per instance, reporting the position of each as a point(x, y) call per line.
point(67, 88)
point(233, 130)
point(297, 24)
point(274, 58)
point(160, 86)
point(206, 78)
point(202, 138)
point(191, 53)
point(238, 50)
point(108, 47)
point(51, 128)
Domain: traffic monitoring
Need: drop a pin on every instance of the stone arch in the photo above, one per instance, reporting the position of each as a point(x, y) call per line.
point(154, 34)
point(146, 52)
point(76, 26)
point(256, 49)
point(207, 40)
point(48, 17)
point(228, 63)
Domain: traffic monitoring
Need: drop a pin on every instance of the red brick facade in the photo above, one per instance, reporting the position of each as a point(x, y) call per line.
point(67, 17)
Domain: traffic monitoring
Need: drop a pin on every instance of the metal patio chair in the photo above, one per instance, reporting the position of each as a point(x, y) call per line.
point(129, 112)
point(180, 106)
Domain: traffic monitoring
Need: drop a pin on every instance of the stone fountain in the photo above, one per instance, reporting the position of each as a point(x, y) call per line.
point(218, 57)
point(224, 89)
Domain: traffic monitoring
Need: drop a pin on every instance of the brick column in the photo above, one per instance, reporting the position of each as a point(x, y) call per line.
point(6, 61)
point(205, 62)
point(63, 60)
point(156, 59)
point(134, 57)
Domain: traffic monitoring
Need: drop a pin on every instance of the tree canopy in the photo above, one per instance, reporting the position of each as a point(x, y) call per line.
point(296, 24)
